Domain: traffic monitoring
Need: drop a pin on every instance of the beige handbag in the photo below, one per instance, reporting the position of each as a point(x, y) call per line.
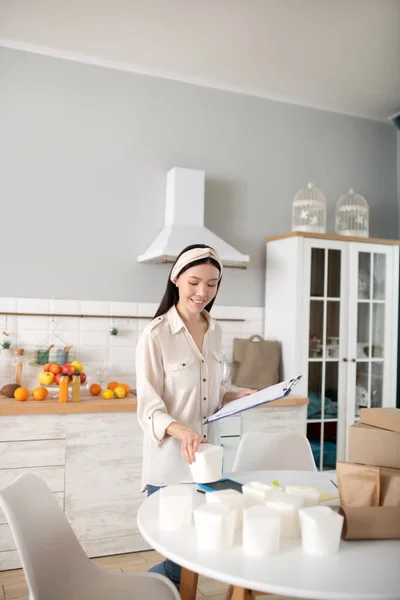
point(255, 362)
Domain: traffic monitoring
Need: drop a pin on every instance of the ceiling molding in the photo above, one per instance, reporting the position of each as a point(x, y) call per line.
point(140, 70)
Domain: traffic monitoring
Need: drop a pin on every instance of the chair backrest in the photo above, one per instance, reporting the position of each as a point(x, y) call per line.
point(277, 451)
point(51, 556)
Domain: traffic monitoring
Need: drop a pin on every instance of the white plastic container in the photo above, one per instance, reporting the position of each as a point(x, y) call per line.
point(231, 498)
point(256, 492)
point(261, 531)
point(208, 464)
point(288, 506)
point(215, 526)
point(310, 494)
point(175, 507)
point(321, 529)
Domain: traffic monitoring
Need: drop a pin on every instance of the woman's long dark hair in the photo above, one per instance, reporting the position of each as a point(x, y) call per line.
point(171, 295)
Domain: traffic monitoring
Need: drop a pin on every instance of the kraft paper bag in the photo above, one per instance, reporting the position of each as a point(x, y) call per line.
point(390, 487)
point(255, 362)
point(370, 522)
point(359, 485)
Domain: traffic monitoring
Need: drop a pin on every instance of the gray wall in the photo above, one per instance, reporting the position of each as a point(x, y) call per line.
point(83, 157)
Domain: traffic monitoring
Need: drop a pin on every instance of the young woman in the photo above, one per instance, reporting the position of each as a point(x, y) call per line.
point(178, 375)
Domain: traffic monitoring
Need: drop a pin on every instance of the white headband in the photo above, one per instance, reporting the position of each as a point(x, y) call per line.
point(191, 256)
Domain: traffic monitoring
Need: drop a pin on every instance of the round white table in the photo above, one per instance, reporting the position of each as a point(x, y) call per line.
point(361, 570)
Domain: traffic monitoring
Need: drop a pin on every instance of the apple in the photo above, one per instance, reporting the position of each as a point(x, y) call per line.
point(55, 368)
point(57, 378)
point(46, 367)
point(83, 378)
point(78, 366)
point(67, 369)
point(46, 378)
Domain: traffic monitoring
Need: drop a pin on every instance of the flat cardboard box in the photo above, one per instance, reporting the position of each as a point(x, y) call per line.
point(385, 418)
point(374, 446)
point(371, 523)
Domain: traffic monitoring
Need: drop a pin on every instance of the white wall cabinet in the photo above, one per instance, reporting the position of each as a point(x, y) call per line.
point(333, 303)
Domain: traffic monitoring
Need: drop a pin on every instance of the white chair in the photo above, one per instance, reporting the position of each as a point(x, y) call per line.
point(276, 451)
point(54, 563)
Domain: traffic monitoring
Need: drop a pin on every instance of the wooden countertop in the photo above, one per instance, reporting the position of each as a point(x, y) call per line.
point(51, 406)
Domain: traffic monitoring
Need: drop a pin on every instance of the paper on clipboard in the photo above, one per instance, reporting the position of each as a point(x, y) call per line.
point(269, 394)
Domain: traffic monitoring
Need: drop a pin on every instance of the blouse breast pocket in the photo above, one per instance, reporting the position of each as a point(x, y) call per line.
point(183, 372)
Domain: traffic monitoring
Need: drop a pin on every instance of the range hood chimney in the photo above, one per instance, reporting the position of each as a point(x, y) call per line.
point(184, 222)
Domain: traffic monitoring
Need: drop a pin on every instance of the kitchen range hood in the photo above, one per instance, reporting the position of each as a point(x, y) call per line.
point(184, 222)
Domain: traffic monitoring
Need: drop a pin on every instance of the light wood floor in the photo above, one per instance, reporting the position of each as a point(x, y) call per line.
point(13, 584)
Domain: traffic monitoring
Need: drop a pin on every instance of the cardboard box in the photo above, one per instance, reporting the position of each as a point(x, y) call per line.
point(385, 418)
point(390, 487)
point(374, 446)
point(371, 523)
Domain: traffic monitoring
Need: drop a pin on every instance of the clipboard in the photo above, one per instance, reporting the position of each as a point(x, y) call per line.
point(269, 394)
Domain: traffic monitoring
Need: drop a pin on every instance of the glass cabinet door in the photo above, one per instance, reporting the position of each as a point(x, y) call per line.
point(371, 291)
point(325, 333)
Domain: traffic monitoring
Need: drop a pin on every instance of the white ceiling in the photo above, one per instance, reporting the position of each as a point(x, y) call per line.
point(339, 55)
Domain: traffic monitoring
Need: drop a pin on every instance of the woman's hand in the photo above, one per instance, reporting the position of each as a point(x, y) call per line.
point(229, 396)
point(190, 440)
point(190, 444)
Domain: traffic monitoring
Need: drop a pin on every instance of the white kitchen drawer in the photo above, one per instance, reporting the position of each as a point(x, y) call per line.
point(230, 426)
point(35, 453)
point(32, 427)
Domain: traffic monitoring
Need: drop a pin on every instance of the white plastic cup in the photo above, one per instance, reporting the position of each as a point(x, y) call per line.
point(256, 492)
point(215, 526)
point(208, 464)
point(321, 529)
point(310, 494)
point(231, 498)
point(288, 506)
point(175, 507)
point(261, 531)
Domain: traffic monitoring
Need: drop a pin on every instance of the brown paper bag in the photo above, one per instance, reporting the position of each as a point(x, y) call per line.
point(256, 362)
point(390, 487)
point(359, 485)
point(370, 523)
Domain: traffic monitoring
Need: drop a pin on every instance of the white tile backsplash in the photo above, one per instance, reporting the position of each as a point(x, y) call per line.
point(66, 307)
point(35, 305)
point(91, 336)
point(8, 304)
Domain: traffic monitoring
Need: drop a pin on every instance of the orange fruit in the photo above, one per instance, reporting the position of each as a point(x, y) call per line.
point(108, 394)
point(126, 387)
point(112, 385)
point(95, 389)
point(119, 391)
point(40, 393)
point(21, 394)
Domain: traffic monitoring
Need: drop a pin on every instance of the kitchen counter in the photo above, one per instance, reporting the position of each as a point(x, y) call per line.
point(51, 406)
point(96, 404)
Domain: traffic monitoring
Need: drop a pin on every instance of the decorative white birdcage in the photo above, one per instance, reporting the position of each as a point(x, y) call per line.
point(309, 210)
point(352, 215)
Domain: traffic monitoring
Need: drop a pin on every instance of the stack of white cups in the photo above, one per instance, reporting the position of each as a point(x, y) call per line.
point(231, 498)
point(321, 528)
point(261, 531)
point(310, 494)
point(256, 492)
point(208, 464)
point(288, 507)
point(175, 507)
point(215, 526)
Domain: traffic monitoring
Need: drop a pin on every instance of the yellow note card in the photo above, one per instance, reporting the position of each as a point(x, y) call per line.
point(324, 497)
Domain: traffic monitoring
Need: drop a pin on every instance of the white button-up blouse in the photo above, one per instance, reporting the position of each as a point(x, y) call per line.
point(175, 382)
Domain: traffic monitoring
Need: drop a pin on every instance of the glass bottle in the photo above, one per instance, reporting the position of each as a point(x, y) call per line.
point(63, 394)
point(18, 364)
point(76, 387)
